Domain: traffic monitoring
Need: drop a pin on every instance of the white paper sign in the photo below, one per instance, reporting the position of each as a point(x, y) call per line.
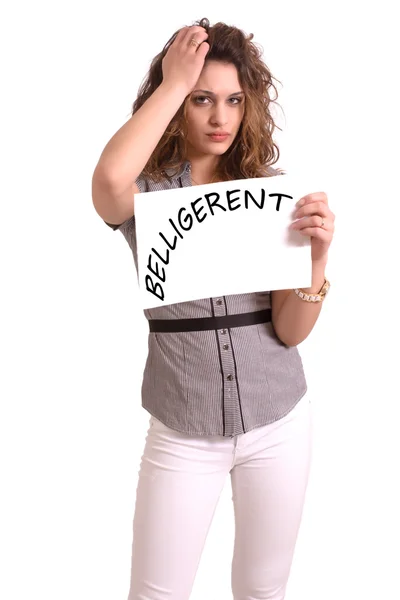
point(221, 238)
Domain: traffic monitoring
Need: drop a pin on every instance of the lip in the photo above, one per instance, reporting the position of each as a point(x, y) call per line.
point(218, 137)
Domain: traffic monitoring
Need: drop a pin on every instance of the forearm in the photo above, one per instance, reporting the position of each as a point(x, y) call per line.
point(297, 317)
point(128, 151)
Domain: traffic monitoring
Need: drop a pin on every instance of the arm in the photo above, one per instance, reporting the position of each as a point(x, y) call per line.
point(125, 155)
point(128, 151)
point(130, 148)
point(293, 319)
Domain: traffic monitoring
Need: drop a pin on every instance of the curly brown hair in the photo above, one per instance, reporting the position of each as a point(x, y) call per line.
point(253, 149)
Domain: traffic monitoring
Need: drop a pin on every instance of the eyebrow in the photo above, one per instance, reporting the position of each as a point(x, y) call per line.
point(212, 93)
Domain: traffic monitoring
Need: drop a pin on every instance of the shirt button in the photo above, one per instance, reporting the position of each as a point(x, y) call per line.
point(229, 377)
point(223, 331)
point(219, 302)
point(225, 346)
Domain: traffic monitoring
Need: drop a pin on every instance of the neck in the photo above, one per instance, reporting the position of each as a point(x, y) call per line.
point(203, 168)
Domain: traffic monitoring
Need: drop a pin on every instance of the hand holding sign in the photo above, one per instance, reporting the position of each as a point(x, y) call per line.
point(317, 221)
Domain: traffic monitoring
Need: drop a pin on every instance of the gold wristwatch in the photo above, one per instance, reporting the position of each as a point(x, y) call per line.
point(314, 297)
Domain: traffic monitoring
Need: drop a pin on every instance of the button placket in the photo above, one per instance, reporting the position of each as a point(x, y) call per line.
point(231, 400)
point(219, 307)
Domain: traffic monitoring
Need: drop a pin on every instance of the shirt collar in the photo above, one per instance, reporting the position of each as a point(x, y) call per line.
point(184, 168)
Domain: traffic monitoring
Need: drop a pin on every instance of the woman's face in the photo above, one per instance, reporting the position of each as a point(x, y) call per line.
point(216, 106)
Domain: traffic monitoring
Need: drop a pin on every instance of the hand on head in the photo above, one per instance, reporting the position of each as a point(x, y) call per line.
point(185, 58)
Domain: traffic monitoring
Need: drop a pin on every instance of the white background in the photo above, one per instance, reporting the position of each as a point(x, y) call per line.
point(74, 341)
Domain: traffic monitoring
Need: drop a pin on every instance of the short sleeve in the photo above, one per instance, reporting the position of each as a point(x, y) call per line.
point(272, 172)
point(143, 187)
point(115, 227)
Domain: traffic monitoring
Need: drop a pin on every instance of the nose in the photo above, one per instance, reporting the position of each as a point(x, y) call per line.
point(219, 116)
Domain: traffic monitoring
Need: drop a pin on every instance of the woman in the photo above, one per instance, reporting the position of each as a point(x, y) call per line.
point(223, 381)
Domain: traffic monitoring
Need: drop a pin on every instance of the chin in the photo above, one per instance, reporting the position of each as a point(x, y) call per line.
point(217, 149)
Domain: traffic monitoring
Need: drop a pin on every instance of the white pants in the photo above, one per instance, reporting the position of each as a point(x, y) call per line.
point(180, 481)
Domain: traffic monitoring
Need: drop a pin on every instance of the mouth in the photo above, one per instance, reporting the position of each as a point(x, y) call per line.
point(218, 137)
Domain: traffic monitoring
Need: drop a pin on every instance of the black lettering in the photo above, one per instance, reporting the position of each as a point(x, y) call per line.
point(214, 203)
point(228, 195)
point(167, 242)
point(154, 287)
point(156, 272)
point(166, 260)
point(278, 202)
point(247, 193)
point(187, 218)
point(174, 226)
point(197, 212)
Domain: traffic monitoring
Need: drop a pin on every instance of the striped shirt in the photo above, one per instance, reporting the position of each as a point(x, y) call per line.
point(215, 382)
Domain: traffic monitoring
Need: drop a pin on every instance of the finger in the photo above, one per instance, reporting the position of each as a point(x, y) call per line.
point(195, 32)
point(180, 36)
point(202, 50)
point(195, 45)
point(313, 221)
point(315, 197)
point(196, 41)
point(314, 208)
point(317, 232)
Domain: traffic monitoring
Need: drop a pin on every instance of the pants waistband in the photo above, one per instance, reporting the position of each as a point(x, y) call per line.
point(207, 323)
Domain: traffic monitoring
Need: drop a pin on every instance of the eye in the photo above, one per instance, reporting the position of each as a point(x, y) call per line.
point(238, 100)
point(199, 99)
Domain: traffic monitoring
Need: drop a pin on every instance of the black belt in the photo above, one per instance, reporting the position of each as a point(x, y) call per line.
point(205, 323)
